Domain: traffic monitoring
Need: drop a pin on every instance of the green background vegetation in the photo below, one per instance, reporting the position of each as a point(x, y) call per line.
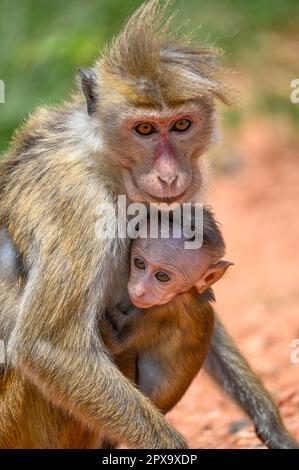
point(42, 43)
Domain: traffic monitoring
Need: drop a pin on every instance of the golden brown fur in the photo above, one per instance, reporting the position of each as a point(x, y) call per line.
point(147, 54)
point(163, 347)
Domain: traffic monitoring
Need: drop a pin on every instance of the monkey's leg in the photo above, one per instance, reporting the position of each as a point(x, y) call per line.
point(228, 367)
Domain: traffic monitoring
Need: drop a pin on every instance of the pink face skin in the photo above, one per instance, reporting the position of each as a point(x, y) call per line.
point(169, 140)
point(158, 150)
point(162, 269)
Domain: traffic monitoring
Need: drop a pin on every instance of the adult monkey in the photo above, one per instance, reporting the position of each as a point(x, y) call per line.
point(150, 117)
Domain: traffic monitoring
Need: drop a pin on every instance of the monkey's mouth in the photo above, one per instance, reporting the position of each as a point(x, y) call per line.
point(138, 304)
point(167, 200)
point(140, 194)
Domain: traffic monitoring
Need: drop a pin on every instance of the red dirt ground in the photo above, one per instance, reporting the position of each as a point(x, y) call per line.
point(256, 200)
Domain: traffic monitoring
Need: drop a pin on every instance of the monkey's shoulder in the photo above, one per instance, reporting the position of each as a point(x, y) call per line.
point(55, 137)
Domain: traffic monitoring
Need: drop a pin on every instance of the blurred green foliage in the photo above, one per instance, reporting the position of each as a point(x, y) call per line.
point(42, 43)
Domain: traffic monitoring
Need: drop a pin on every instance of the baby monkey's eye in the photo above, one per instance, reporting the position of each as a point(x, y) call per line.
point(139, 263)
point(145, 128)
point(181, 125)
point(162, 277)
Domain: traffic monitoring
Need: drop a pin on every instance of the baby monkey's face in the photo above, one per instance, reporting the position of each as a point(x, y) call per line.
point(162, 269)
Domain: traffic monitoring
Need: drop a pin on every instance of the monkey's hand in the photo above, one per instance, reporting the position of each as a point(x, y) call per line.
point(124, 328)
point(122, 316)
point(117, 318)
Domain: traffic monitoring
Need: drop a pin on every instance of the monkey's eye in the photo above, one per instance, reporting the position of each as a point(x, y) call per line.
point(162, 276)
point(145, 128)
point(181, 125)
point(139, 263)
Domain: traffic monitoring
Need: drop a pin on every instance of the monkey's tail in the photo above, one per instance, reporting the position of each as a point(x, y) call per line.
point(231, 371)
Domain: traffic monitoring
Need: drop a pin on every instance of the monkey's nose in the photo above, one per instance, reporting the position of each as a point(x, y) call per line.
point(169, 179)
point(138, 292)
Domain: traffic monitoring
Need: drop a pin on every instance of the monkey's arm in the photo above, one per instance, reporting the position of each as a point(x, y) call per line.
point(165, 355)
point(228, 367)
point(181, 341)
point(61, 357)
point(165, 374)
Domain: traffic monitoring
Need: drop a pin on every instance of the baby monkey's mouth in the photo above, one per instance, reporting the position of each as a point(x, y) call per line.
point(139, 304)
point(145, 305)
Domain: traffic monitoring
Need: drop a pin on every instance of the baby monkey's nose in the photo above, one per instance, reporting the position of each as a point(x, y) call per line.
point(139, 291)
point(136, 291)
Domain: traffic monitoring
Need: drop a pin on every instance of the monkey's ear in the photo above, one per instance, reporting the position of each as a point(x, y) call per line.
point(212, 275)
point(88, 83)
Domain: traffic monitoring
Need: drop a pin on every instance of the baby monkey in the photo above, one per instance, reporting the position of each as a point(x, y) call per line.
point(159, 334)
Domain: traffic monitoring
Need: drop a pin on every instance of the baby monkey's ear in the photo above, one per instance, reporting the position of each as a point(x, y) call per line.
point(212, 275)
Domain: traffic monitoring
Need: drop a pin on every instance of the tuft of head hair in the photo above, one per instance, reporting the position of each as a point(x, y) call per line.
point(153, 66)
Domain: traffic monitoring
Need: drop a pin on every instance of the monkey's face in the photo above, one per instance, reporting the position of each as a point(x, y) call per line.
point(151, 284)
point(158, 151)
point(161, 269)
